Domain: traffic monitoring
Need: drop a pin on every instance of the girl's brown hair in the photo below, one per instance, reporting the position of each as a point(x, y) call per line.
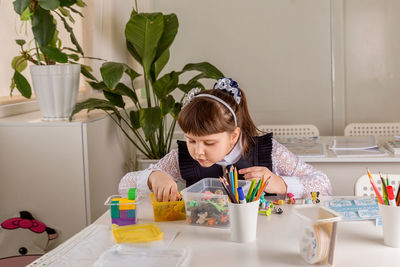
point(205, 116)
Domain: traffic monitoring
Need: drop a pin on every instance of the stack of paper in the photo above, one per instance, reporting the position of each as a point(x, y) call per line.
point(394, 146)
point(303, 146)
point(356, 146)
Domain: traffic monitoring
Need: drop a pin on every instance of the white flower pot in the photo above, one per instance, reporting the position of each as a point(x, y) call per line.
point(56, 88)
point(143, 163)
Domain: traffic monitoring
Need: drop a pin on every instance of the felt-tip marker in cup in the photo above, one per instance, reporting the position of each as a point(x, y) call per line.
point(242, 199)
point(390, 193)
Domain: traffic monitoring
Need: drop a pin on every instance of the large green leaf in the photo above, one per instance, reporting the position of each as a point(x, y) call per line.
point(43, 26)
point(208, 70)
point(55, 54)
point(170, 30)
point(134, 117)
point(49, 4)
point(112, 73)
point(22, 84)
point(120, 89)
point(67, 3)
point(71, 35)
point(166, 84)
point(144, 31)
point(19, 63)
point(20, 6)
point(133, 52)
point(85, 70)
point(190, 85)
point(166, 104)
point(115, 99)
point(94, 103)
point(159, 64)
point(125, 90)
point(175, 110)
point(150, 119)
point(132, 74)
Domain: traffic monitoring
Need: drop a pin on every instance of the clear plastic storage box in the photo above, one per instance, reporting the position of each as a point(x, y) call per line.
point(167, 211)
point(206, 203)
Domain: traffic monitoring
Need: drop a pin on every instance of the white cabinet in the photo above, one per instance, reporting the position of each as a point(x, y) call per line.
point(61, 172)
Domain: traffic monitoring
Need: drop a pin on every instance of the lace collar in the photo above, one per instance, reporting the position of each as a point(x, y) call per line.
point(234, 155)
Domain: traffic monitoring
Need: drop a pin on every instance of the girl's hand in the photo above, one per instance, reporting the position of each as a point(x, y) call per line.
point(163, 186)
point(276, 184)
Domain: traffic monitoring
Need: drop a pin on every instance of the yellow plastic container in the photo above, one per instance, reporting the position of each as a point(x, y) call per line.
point(168, 211)
point(137, 233)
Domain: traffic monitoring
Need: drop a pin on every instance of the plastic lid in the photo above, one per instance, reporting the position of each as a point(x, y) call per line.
point(137, 233)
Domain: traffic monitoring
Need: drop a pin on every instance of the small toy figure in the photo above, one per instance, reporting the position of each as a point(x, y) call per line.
point(278, 210)
point(291, 200)
point(23, 239)
point(279, 202)
point(266, 212)
point(314, 197)
point(202, 217)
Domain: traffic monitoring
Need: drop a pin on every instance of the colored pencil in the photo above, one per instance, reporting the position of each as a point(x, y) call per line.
point(378, 195)
point(262, 189)
point(253, 183)
point(236, 184)
point(226, 187)
point(255, 191)
point(398, 196)
point(232, 183)
point(384, 190)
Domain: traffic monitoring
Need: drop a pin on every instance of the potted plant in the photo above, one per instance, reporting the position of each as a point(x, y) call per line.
point(56, 86)
point(148, 38)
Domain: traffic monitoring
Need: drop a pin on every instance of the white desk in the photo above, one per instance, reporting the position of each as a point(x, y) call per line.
point(344, 171)
point(357, 243)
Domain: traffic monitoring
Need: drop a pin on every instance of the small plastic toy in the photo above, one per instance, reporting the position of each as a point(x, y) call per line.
point(123, 210)
point(314, 197)
point(279, 202)
point(278, 210)
point(291, 200)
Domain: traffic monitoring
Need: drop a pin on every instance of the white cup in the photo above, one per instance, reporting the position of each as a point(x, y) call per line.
point(243, 220)
point(391, 225)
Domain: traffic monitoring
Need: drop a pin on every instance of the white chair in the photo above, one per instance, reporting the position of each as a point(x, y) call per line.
point(290, 130)
point(363, 187)
point(372, 129)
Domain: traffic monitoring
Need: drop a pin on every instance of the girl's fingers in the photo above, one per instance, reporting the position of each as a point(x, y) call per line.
point(166, 193)
point(252, 169)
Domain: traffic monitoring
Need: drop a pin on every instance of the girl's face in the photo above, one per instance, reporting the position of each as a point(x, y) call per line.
point(209, 149)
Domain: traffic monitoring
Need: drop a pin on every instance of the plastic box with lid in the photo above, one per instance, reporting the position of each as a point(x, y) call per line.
point(206, 203)
point(167, 211)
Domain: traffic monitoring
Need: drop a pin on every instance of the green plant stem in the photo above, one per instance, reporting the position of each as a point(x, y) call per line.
point(170, 134)
point(137, 10)
point(140, 138)
point(37, 53)
point(127, 135)
point(147, 86)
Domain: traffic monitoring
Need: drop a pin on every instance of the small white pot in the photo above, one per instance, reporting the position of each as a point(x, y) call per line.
point(143, 163)
point(56, 88)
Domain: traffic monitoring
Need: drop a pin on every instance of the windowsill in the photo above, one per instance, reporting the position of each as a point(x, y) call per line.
point(34, 117)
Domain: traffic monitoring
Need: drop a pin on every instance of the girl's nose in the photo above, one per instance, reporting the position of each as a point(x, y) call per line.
point(199, 149)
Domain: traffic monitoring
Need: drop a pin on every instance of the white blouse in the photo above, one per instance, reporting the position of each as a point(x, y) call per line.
point(300, 177)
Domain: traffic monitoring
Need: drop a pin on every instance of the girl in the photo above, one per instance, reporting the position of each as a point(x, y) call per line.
point(220, 132)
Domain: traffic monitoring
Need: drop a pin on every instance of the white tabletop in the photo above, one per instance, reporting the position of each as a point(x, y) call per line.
point(357, 244)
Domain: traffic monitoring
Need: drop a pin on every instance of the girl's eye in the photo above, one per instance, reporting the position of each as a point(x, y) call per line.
point(209, 144)
point(191, 142)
